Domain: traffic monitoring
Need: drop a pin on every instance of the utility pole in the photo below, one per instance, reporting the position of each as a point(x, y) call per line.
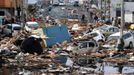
point(122, 18)
point(26, 9)
point(11, 2)
point(109, 1)
point(101, 11)
point(16, 7)
point(105, 9)
point(22, 12)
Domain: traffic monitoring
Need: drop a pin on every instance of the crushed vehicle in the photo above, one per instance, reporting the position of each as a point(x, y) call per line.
point(30, 26)
point(85, 46)
point(96, 35)
point(127, 37)
point(107, 29)
point(10, 29)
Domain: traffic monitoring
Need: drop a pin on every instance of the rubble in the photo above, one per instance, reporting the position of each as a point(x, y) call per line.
point(53, 50)
point(49, 59)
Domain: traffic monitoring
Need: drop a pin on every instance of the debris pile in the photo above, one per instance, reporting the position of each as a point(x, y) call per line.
point(80, 51)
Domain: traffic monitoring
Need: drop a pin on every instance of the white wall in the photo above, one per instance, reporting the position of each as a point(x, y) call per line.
point(129, 8)
point(80, 1)
point(128, 17)
point(114, 5)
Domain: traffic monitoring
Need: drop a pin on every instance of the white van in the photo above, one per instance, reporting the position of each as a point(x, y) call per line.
point(127, 37)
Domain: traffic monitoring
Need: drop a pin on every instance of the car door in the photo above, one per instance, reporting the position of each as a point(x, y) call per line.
point(130, 38)
point(112, 30)
point(127, 39)
point(6, 31)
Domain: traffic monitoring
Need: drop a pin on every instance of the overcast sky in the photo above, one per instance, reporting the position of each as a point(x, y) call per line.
point(32, 1)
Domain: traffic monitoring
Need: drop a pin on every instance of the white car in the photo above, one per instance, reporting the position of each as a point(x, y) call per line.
point(85, 46)
point(107, 29)
point(30, 26)
point(127, 37)
point(97, 36)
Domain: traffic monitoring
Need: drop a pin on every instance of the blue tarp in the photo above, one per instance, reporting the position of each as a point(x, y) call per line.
point(56, 34)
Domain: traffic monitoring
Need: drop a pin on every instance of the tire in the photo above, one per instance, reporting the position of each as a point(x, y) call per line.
point(130, 45)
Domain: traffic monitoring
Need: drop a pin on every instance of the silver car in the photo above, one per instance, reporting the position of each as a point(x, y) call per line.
point(11, 28)
point(86, 46)
point(107, 29)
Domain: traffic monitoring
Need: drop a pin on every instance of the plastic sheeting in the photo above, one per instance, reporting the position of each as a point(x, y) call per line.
point(56, 34)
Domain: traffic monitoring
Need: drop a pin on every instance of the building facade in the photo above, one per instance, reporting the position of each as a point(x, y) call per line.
point(9, 7)
point(115, 9)
point(68, 2)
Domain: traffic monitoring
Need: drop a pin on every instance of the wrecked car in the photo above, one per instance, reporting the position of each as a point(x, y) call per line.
point(127, 37)
point(10, 29)
point(96, 35)
point(30, 26)
point(85, 46)
point(107, 29)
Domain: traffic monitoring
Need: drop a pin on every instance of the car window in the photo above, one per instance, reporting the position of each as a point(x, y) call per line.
point(16, 28)
point(111, 29)
point(83, 45)
point(33, 25)
point(127, 35)
point(116, 30)
point(93, 34)
point(104, 28)
point(91, 44)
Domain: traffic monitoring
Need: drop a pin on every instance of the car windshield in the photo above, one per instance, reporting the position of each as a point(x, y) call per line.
point(33, 25)
point(83, 45)
point(127, 35)
point(105, 28)
point(93, 34)
point(87, 44)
